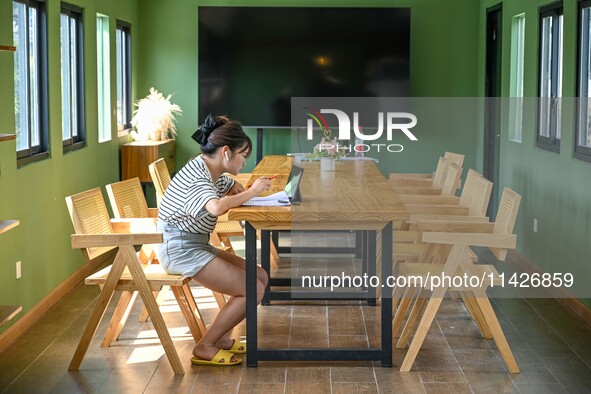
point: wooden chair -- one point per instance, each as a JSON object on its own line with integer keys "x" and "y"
{"x": 476, "y": 194}
{"x": 421, "y": 180}
{"x": 435, "y": 179}
{"x": 450, "y": 242}
{"x": 94, "y": 232}
{"x": 128, "y": 202}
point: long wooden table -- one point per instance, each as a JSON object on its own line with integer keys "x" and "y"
{"x": 356, "y": 196}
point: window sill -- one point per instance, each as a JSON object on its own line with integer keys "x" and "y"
{"x": 123, "y": 133}
{"x": 31, "y": 159}
{"x": 74, "y": 146}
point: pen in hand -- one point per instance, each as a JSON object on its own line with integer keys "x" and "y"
{"x": 270, "y": 178}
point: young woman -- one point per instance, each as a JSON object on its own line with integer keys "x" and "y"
{"x": 197, "y": 195}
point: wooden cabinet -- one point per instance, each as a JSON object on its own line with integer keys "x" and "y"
{"x": 138, "y": 155}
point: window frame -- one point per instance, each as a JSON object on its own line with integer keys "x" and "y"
{"x": 41, "y": 151}
{"x": 552, "y": 142}
{"x": 125, "y": 27}
{"x": 581, "y": 152}
{"x": 78, "y": 141}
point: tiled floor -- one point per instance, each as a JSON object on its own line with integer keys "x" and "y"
{"x": 552, "y": 348}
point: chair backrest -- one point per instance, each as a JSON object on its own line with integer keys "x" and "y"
{"x": 468, "y": 189}
{"x": 476, "y": 193}
{"x": 160, "y": 178}
{"x": 127, "y": 199}
{"x": 480, "y": 197}
{"x": 451, "y": 180}
{"x": 440, "y": 172}
{"x": 89, "y": 215}
{"x": 455, "y": 158}
{"x": 506, "y": 217}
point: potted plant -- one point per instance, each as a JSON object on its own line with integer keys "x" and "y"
{"x": 328, "y": 151}
{"x": 154, "y": 117}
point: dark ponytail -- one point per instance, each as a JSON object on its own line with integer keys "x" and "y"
{"x": 218, "y": 131}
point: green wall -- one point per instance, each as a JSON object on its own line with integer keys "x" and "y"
{"x": 35, "y": 193}
{"x": 555, "y": 187}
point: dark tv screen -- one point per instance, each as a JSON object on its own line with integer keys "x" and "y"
{"x": 252, "y": 60}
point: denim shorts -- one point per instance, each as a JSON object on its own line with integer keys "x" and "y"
{"x": 182, "y": 252}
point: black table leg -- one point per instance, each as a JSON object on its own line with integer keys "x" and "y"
{"x": 251, "y": 296}
{"x": 266, "y": 262}
{"x": 386, "y": 296}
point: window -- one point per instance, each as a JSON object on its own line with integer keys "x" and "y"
{"x": 516, "y": 78}
{"x": 550, "y": 77}
{"x": 583, "y": 137}
{"x": 123, "y": 33}
{"x": 104, "y": 78}
{"x": 29, "y": 26}
{"x": 72, "y": 71}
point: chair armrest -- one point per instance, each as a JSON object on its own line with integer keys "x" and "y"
{"x": 133, "y": 225}
{"x": 153, "y": 212}
{"x": 455, "y": 227}
{"x": 430, "y": 200}
{"x": 504, "y": 241}
{"x": 80, "y": 241}
{"x": 410, "y": 176}
{"x": 425, "y": 191}
{"x": 436, "y": 209}
{"x": 414, "y": 218}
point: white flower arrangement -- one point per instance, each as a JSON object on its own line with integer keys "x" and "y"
{"x": 154, "y": 117}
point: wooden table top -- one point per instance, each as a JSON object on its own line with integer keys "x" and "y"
{"x": 355, "y": 193}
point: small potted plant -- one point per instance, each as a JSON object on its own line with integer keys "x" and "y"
{"x": 328, "y": 151}
{"x": 154, "y": 117}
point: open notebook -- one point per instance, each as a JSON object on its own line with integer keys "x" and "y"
{"x": 290, "y": 195}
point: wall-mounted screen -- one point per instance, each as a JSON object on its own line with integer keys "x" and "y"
{"x": 252, "y": 60}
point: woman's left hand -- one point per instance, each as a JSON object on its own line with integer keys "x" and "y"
{"x": 236, "y": 189}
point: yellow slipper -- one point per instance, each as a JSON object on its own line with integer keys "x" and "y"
{"x": 222, "y": 358}
{"x": 237, "y": 347}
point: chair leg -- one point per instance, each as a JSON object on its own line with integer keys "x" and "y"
{"x": 476, "y": 314}
{"x": 194, "y": 308}
{"x": 187, "y": 311}
{"x": 412, "y": 320}
{"x": 160, "y": 297}
{"x": 219, "y": 298}
{"x": 422, "y": 330}
{"x": 144, "y": 289}
{"x": 401, "y": 310}
{"x": 119, "y": 317}
{"x": 274, "y": 256}
{"x": 98, "y": 310}
{"x": 497, "y": 332}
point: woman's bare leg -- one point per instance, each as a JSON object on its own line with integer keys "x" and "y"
{"x": 225, "y": 342}
{"x": 224, "y": 277}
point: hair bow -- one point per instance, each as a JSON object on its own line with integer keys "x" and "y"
{"x": 209, "y": 125}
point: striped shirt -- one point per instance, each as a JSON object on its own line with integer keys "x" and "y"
{"x": 183, "y": 204}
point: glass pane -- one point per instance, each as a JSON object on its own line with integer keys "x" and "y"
{"x": 516, "y": 78}
{"x": 65, "y": 68}
{"x": 120, "y": 73}
{"x": 34, "y": 78}
{"x": 545, "y": 77}
{"x": 74, "y": 77}
{"x": 104, "y": 97}
{"x": 19, "y": 29}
